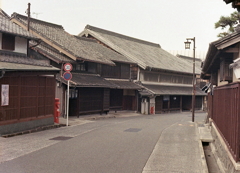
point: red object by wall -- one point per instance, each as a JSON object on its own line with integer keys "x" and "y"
{"x": 56, "y": 110}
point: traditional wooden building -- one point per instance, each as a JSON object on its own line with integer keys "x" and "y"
{"x": 221, "y": 68}
{"x": 101, "y": 77}
{"x": 27, "y": 81}
{"x": 167, "y": 80}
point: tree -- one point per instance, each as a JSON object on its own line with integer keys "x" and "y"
{"x": 228, "y": 21}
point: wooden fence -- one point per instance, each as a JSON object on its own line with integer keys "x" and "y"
{"x": 31, "y": 96}
{"x": 224, "y": 109}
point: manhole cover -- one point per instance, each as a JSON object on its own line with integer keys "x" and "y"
{"x": 61, "y": 138}
{"x": 133, "y": 130}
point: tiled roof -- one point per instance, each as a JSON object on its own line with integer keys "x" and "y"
{"x": 172, "y": 90}
{"x": 124, "y": 84}
{"x": 51, "y": 52}
{"x": 95, "y": 80}
{"x": 25, "y": 67}
{"x": 214, "y": 51}
{"x": 4, "y": 14}
{"x": 19, "y": 58}
{"x": 198, "y": 62}
{"x": 106, "y": 52}
{"x": 86, "y": 80}
{"x": 6, "y": 26}
{"x": 63, "y": 40}
{"x": 145, "y": 54}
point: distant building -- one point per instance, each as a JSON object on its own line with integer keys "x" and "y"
{"x": 101, "y": 78}
{"x": 167, "y": 80}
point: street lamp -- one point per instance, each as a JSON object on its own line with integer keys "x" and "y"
{"x": 187, "y": 46}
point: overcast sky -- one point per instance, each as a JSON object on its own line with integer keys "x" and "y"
{"x": 166, "y": 22}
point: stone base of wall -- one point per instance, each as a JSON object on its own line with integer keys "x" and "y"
{"x": 23, "y": 126}
{"x": 221, "y": 153}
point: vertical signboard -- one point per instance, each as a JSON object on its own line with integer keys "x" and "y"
{"x": 4, "y": 95}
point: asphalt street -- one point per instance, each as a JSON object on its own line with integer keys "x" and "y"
{"x": 114, "y": 145}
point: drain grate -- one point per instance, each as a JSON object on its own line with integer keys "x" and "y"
{"x": 61, "y": 138}
{"x": 132, "y": 130}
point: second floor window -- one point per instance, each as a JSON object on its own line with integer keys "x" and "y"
{"x": 8, "y": 42}
{"x": 80, "y": 67}
{"x": 225, "y": 71}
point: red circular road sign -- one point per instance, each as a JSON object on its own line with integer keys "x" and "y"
{"x": 67, "y": 76}
{"x": 67, "y": 67}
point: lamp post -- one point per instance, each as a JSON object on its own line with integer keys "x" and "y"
{"x": 187, "y": 46}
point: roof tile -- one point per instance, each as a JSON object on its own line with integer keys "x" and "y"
{"x": 145, "y": 54}
{"x": 62, "y": 39}
{"x": 6, "y": 26}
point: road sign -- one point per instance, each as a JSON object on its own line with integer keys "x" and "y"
{"x": 67, "y": 75}
{"x": 67, "y": 67}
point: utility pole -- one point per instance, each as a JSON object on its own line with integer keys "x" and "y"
{"x": 28, "y": 13}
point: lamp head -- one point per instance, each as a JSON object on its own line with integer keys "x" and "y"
{"x": 187, "y": 44}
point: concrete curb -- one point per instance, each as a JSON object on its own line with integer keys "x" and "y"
{"x": 38, "y": 129}
{"x": 202, "y": 155}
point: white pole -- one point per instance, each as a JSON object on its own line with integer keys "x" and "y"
{"x": 67, "y": 102}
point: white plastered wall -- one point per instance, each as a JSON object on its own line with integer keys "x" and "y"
{"x": 20, "y": 45}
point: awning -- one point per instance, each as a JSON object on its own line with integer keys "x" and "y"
{"x": 86, "y": 80}
{"x": 170, "y": 90}
{"x": 95, "y": 80}
{"x": 25, "y": 67}
{"x": 124, "y": 84}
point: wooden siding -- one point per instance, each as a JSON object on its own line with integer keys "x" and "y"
{"x": 106, "y": 96}
{"x": 120, "y": 71}
{"x": 93, "y": 100}
{"x": 30, "y": 97}
{"x": 176, "y": 103}
{"x": 129, "y": 103}
{"x": 186, "y": 103}
{"x": 167, "y": 78}
{"x": 116, "y": 99}
{"x": 225, "y": 113}
{"x": 158, "y": 104}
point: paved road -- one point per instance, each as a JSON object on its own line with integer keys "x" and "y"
{"x": 116, "y": 145}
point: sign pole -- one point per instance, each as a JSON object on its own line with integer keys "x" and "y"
{"x": 67, "y": 76}
{"x": 67, "y": 102}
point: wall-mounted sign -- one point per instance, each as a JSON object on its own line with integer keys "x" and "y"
{"x": 5, "y": 95}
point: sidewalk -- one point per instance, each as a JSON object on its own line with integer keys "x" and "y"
{"x": 179, "y": 149}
